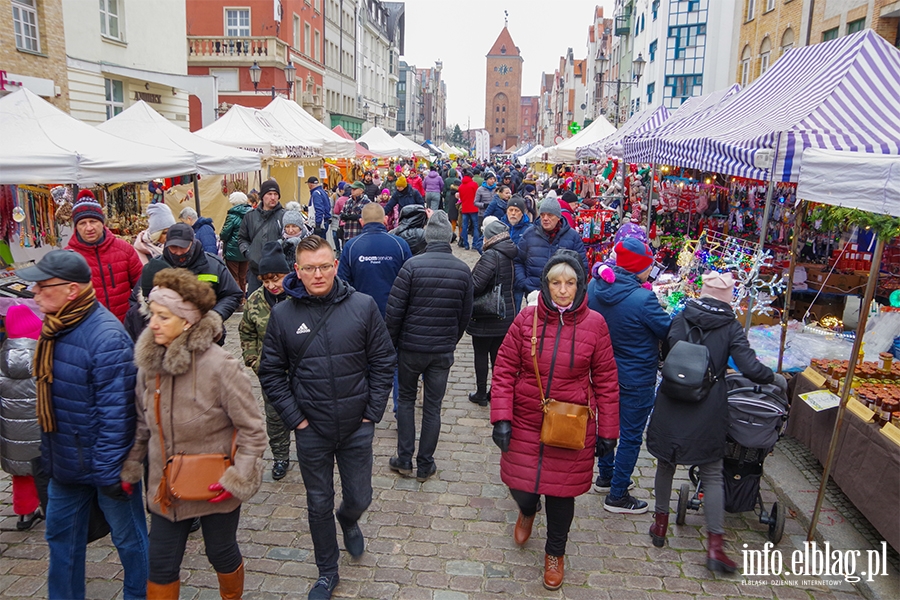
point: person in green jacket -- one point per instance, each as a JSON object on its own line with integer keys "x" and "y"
{"x": 234, "y": 259}
{"x": 272, "y": 270}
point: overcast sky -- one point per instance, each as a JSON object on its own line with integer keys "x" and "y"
{"x": 460, "y": 33}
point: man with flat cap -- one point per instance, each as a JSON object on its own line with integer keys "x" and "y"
{"x": 85, "y": 407}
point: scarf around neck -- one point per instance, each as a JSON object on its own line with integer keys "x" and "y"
{"x": 72, "y": 313}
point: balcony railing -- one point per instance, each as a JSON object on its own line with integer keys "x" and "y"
{"x": 623, "y": 25}
{"x": 218, "y": 50}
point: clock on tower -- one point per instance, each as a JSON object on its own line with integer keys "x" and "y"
{"x": 504, "y": 69}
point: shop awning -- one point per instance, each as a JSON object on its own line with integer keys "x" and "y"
{"x": 307, "y": 131}
{"x": 647, "y": 120}
{"x": 860, "y": 180}
{"x": 256, "y": 131}
{"x": 42, "y": 144}
{"x": 361, "y": 151}
{"x": 140, "y": 122}
{"x": 381, "y": 143}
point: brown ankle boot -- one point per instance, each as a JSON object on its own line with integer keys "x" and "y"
{"x": 554, "y": 570}
{"x": 716, "y": 559}
{"x": 523, "y": 528}
{"x": 157, "y": 591}
{"x": 231, "y": 585}
{"x": 658, "y": 529}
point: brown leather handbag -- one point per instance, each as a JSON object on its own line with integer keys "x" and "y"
{"x": 564, "y": 424}
{"x": 188, "y": 476}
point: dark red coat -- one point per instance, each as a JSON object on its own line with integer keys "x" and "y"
{"x": 115, "y": 270}
{"x": 591, "y": 378}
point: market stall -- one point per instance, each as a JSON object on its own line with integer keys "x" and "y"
{"x": 300, "y": 125}
{"x": 409, "y": 145}
{"x": 380, "y": 143}
{"x": 645, "y": 121}
{"x": 360, "y": 151}
{"x": 566, "y": 150}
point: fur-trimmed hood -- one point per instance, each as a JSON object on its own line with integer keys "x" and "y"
{"x": 176, "y": 359}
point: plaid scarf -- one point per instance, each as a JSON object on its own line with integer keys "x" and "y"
{"x": 72, "y": 313}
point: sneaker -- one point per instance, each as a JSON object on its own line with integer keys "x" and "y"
{"x": 323, "y": 588}
{"x": 422, "y": 475}
{"x": 602, "y": 485}
{"x": 280, "y": 469}
{"x": 398, "y": 466}
{"x": 354, "y": 541}
{"x": 28, "y": 521}
{"x": 627, "y": 504}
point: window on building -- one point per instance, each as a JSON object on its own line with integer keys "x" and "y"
{"x": 830, "y": 34}
{"x": 496, "y": 121}
{"x": 655, "y": 8}
{"x": 682, "y": 86}
{"x": 787, "y": 40}
{"x": 296, "y": 32}
{"x": 751, "y": 9}
{"x": 496, "y": 84}
{"x": 765, "y": 53}
{"x": 693, "y": 5}
{"x": 745, "y": 66}
{"x": 770, "y": 5}
{"x": 653, "y": 46}
{"x": 505, "y": 84}
{"x": 503, "y": 130}
{"x": 318, "y": 43}
{"x": 25, "y": 25}
{"x": 237, "y": 22}
{"x": 503, "y": 120}
{"x": 651, "y": 87}
{"x": 496, "y": 130}
{"x": 226, "y": 79}
{"x": 316, "y": 5}
{"x": 306, "y": 36}
{"x": 857, "y": 25}
{"x": 115, "y": 97}
{"x": 504, "y": 109}
{"x": 109, "y": 19}
{"x": 496, "y": 109}
{"x": 686, "y": 36}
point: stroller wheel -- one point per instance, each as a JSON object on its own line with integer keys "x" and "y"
{"x": 776, "y": 523}
{"x": 694, "y": 474}
{"x": 684, "y": 495}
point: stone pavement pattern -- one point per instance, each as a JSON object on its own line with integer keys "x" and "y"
{"x": 449, "y": 538}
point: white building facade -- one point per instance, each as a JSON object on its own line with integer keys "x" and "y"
{"x": 340, "y": 59}
{"x": 379, "y": 44}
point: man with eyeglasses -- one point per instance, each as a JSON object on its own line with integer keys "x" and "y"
{"x": 327, "y": 367}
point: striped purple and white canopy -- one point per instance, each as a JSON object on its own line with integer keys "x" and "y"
{"x": 639, "y": 148}
{"x": 837, "y": 95}
{"x": 646, "y": 120}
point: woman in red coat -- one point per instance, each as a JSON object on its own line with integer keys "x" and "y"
{"x": 575, "y": 360}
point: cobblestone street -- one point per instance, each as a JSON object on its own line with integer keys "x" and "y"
{"x": 449, "y": 538}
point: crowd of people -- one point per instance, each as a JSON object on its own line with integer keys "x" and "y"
{"x": 120, "y": 385}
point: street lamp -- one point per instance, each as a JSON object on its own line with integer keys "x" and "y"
{"x": 637, "y": 68}
{"x": 290, "y": 72}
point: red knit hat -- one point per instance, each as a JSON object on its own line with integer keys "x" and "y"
{"x": 21, "y": 322}
{"x": 633, "y": 255}
{"x": 87, "y": 207}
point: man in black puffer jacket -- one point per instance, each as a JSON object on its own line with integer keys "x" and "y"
{"x": 412, "y": 227}
{"x": 427, "y": 314}
{"x": 332, "y": 394}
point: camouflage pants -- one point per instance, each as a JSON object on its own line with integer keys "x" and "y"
{"x": 279, "y": 436}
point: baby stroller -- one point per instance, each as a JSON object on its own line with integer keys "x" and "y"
{"x": 757, "y": 417}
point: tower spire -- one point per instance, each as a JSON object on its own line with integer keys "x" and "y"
{"x": 505, "y": 18}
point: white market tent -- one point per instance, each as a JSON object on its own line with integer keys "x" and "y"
{"x": 139, "y": 121}
{"x": 860, "y": 180}
{"x": 380, "y": 143}
{"x": 300, "y": 125}
{"x": 414, "y": 148}
{"x": 646, "y": 120}
{"x": 256, "y": 131}
{"x": 42, "y": 144}
{"x": 532, "y": 155}
{"x": 566, "y": 150}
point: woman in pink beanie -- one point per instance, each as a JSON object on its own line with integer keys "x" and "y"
{"x": 20, "y": 439}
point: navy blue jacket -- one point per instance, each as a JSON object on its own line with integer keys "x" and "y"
{"x": 496, "y": 208}
{"x": 93, "y": 402}
{"x": 535, "y": 249}
{"x": 370, "y": 262}
{"x": 321, "y": 206}
{"x": 203, "y": 231}
{"x": 516, "y": 231}
{"x": 404, "y": 197}
{"x": 637, "y": 323}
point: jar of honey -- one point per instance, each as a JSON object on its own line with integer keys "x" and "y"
{"x": 887, "y": 359}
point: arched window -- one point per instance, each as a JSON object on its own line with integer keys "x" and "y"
{"x": 745, "y": 66}
{"x": 765, "y": 53}
{"x": 787, "y": 40}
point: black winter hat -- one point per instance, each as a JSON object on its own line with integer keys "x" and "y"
{"x": 273, "y": 260}
{"x": 270, "y": 185}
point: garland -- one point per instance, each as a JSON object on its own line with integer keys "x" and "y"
{"x": 885, "y": 226}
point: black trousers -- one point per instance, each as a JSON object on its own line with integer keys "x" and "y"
{"x": 485, "y": 347}
{"x": 560, "y": 512}
{"x": 168, "y": 539}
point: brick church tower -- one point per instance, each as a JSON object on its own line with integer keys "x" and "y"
{"x": 503, "y": 93}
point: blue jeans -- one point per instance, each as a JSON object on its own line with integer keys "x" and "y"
{"x": 68, "y": 513}
{"x": 471, "y": 220}
{"x": 434, "y": 370}
{"x": 635, "y": 405}
{"x": 316, "y": 456}
{"x": 433, "y": 200}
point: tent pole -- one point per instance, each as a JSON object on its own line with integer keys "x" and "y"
{"x": 650, "y": 189}
{"x": 765, "y": 222}
{"x": 845, "y": 390}
{"x": 785, "y": 314}
{"x": 196, "y": 194}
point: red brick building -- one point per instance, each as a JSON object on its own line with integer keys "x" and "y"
{"x": 503, "y": 93}
{"x": 528, "y": 116}
{"x": 225, "y": 40}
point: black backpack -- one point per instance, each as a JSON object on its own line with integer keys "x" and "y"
{"x": 687, "y": 373}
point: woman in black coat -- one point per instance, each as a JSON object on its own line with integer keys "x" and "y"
{"x": 494, "y": 266}
{"x": 693, "y": 433}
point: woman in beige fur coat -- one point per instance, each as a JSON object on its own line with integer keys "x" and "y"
{"x": 205, "y": 401}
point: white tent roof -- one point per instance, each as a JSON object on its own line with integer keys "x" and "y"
{"x": 413, "y": 147}
{"x": 566, "y": 150}
{"x": 259, "y": 132}
{"x": 139, "y": 121}
{"x": 532, "y": 155}
{"x": 299, "y": 124}
{"x": 381, "y": 143}
{"x": 860, "y": 180}
{"x": 42, "y": 144}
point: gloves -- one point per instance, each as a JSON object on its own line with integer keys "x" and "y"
{"x": 225, "y": 494}
{"x": 117, "y": 491}
{"x": 781, "y": 382}
{"x": 604, "y": 446}
{"x": 501, "y": 435}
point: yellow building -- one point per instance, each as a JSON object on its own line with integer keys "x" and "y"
{"x": 769, "y": 28}
{"x": 835, "y": 19}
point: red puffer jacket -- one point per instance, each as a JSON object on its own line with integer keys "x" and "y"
{"x": 585, "y": 373}
{"x": 115, "y": 270}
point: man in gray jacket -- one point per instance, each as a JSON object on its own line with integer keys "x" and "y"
{"x": 261, "y": 225}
